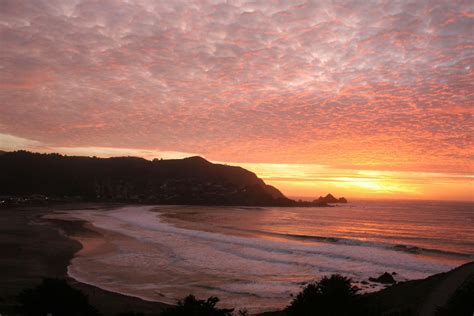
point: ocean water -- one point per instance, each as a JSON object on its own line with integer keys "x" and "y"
{"x": 258, "y": 257}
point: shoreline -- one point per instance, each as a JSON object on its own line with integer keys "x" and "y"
{"x": 27, "y": 261}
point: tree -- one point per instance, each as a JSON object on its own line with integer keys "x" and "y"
{"x": 330, "y": 296}
{"x": 190, "y": 306}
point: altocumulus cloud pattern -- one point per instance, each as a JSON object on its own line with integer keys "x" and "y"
{"x": 386, "y": 84}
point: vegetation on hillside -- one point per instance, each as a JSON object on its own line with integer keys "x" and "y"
{"x": 331, "y": 296}
{"x": 191, "y": 306}
{"x": 191, "y": 180}
{"x": 334, "y": 295}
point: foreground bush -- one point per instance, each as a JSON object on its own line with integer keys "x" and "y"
{"x": 57, "y": 298}
{"x": 330, "y": 296}
{"x": 190, "y": 306}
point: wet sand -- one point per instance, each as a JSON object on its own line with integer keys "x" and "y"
{"x": 33, "y": 248}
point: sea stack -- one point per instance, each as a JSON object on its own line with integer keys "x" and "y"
{"x": 330, "y": 199}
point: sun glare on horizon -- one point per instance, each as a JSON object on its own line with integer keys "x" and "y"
{"x": 236, "y": 157}
{"x": 350, "y": 86}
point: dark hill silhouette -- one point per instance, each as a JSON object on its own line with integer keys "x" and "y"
{"x": 192, "y": 180}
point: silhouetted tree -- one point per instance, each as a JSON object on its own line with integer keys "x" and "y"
{"x": 55, "y": 297}
{"x": 330, "y": 296}
{"x": 190, "y": 306}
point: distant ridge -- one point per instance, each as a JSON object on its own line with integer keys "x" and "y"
{"x": 193, "y": 180}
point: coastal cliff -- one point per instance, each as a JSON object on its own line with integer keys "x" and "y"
{"x": 191, "y": 181}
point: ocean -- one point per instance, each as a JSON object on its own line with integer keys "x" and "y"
{"x": 258, "y": 257}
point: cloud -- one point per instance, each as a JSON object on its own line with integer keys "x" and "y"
{"x": 13, "y": 143}
{"x": 354, "y": 84}
{"x": 10, "y": 143}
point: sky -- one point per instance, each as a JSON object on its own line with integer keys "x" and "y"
{"x": 357, "y": 98}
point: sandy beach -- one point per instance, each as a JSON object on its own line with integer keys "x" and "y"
{"x": 236, "y": 158}
{"x": 33, "y": 248}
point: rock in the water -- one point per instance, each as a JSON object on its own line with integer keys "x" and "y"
{"x": 385, "y": 278}
{"x": 330, "y": 199}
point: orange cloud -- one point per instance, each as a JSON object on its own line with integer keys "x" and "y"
{"x": 355, "y": 85}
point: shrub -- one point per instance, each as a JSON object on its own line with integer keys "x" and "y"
{"x": 330, "y": 296}
{"x": 190, "y": 306}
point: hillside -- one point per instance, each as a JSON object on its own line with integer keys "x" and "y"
{"x": 191, "y": 180}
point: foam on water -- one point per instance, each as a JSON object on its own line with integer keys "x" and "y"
{"x": 156, "y": 260}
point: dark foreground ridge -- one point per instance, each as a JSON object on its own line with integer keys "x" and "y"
{"x": 189, "y": 181}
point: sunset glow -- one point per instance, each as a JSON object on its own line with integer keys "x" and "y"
{"x": 354, "y": 98}
{"x": 237, "y": 157}
{"x": 306, "y": 181}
